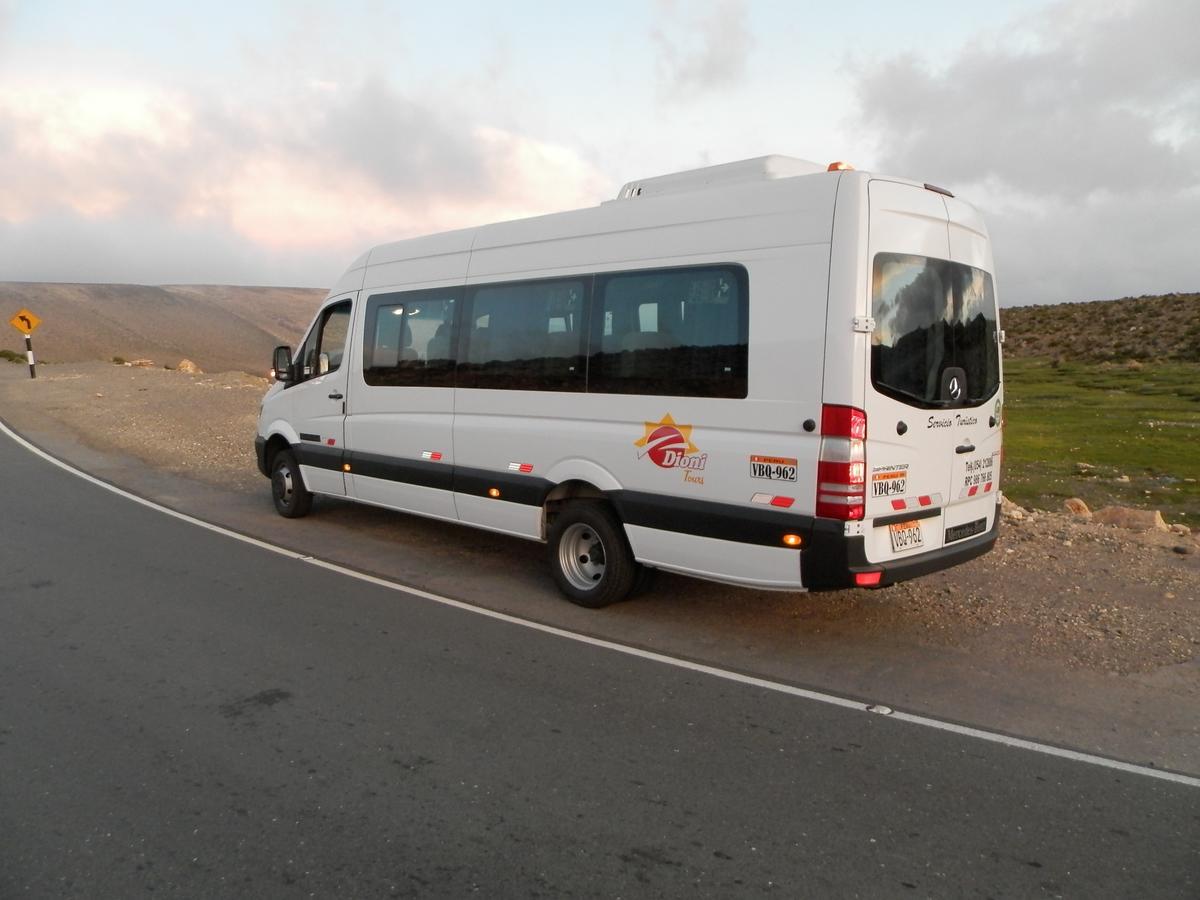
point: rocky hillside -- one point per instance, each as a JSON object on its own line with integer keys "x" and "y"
{"x": 1134, "y": 328}
{"x": 221, "y": 328}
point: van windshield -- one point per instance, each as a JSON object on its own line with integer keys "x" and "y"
{"x": 935, "y": 323}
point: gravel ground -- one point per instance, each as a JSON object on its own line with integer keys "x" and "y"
{"x": 1056, "y": 588}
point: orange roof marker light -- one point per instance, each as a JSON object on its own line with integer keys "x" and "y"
{"x": 840, "y": 166}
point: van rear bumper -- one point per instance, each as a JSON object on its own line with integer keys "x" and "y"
{"x": 831, "y": 559}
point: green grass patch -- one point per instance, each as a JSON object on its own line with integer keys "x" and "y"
{"x": 12, "y": 356}
{"x": 1109, "y": 433}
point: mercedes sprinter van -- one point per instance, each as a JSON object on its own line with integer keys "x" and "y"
{"x": 769, "y": 373}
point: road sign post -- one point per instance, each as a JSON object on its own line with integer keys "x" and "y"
{"x": 25, "y": 322}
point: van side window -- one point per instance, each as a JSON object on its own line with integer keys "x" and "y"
{"x": 526, "y": 336}
{"x": 675, "y": 332}
{"x": 409, "y": 339}
{"x": 328, "y": 338}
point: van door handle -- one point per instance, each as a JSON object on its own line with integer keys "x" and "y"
{"x": 968, "y": 447}
{"x": 336, "y": 395}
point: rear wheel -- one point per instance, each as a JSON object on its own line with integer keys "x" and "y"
{"x": 590, "y": 557}
{"x": 292, "y": 498}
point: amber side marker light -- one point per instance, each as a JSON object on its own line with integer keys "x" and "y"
{"x": 840, "y": 166}
{"x": 493, "y": 492}
{"x": 345, "y": 467}
{"x": 867, "y": 579}
{"x": 793, "y": 540}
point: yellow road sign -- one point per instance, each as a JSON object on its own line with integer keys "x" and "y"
{"x": 25, "y": 322}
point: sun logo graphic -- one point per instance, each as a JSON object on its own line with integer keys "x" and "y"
{"x": 669, "y": 446}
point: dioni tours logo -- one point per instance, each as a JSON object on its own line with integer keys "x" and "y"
{"x": 669, "y": 446}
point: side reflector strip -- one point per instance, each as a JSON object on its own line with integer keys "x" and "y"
{"x": 434, "y": 455}
{"x": 975, "y": 489}
{"x": 921, "y": 502}
{"x": 772, "y": 500}
{"x": 525, "y": 468}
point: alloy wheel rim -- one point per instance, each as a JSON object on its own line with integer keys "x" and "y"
{"x": 581, "y": 556}
{"x": 283, "y": 484}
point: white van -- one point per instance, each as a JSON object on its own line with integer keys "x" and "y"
{"x": 766, "y": 373}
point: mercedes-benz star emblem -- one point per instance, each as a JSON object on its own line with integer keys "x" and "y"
{"x": 955, "y": 388}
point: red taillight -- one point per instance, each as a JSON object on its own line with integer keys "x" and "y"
{"x": 842, "y": 467}
{"x": 868, "y": 579}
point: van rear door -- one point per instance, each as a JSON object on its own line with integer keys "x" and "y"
{"x": 932, "y": 456}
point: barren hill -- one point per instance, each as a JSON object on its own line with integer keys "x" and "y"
{"x": 1135, "y": 328}
{"x": 221, "y": 328}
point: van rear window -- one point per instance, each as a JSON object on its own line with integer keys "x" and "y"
{"x": 934, "y": 319}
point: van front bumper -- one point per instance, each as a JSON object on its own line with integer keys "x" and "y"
{"x": 831, "y": 561}
{"x": 260, "y": 452}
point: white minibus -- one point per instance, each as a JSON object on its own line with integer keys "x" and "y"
{"x": 768, "y": 373}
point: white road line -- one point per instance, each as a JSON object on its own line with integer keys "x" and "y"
{"x": 725, "y": 674}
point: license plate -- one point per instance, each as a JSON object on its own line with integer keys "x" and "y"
{"x": 906, "y": 536}
{"x": 773, "y": 468}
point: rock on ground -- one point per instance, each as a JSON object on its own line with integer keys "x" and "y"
{"x": 1132, "y": 519}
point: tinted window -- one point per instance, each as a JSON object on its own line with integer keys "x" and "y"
{"x": 676, "y": 332}
{"x": 321, "y": 352}
{"x": 408, "y": 339}
{"x": 527, "y": 336}
{"x": 931, "y": 316}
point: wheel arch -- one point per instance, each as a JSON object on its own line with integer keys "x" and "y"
{"x": 280, "y": 436}
{"x": 565, "y": 492}
{"x": 576, "y": 479}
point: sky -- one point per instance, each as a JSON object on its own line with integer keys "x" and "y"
{"x": 261, "y": 142}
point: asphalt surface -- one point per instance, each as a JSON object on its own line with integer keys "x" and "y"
{"x": 188, "y": 715}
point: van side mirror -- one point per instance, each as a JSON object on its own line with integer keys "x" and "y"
{"x": 281, "y": 362}
{"x": 323, "y": 364}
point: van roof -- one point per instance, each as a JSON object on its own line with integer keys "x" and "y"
{"x": 762, "y": 168}
{"x": 688, "y": 187}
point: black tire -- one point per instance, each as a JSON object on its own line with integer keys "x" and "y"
{"x": 590, "y": 557}
{"x": 645, "y": 580}
{"x": 292, "y": 498}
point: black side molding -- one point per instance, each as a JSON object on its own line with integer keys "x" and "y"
{"x": 725, "y": 521}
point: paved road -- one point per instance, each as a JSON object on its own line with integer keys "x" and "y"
{"x": 187, "y": 714}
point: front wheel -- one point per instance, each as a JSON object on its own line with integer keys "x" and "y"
{"x": 292, "y": 498}
{"x": 589, "y": 556}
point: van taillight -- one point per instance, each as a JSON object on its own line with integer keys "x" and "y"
{"x": 842, "y": 467}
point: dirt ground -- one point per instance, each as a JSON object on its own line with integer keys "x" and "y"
{"x": 1056, "y": 589}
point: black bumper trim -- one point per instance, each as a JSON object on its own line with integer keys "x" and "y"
{"x": 260, "y": 453}
{"x": 832, "y": 560}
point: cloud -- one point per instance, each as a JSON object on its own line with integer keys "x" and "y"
{"x": 146, "y": 182}
{"x": 1084, "y": 123}
{"x": 127, "y": 247}
{"x": 403, "y": 145}
{"x": 702, "y": 54}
